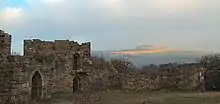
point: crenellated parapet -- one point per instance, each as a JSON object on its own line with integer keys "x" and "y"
{"x": 37, "y": 46}
{"x": 5, "y": 45}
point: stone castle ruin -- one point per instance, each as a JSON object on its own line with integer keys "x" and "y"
{"x": 45, "y": 68}
{"x": 49, "y": 67}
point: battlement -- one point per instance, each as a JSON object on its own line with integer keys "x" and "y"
{"x": 37, "y": 46}
{"x": 5, "y": 44}
{"x": 38, "y": 41}
{"x": 2, "y": 32}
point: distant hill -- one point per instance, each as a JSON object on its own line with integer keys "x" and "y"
{"x": 145, "y": 56}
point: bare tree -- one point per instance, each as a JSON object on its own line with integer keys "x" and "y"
{"x": 123, "y": 66}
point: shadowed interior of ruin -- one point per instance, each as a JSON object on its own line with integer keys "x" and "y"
{"x": 36, "y": 89}
{"x": 76, "y": 84}
{"x": 212, "y": 83}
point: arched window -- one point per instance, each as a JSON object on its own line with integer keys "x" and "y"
{"x": 76, "y": 58}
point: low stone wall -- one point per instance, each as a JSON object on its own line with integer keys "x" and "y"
{"x": 146, "y": 82}
{"x": 176, "y": 81}
{"x": 140, "y": 82}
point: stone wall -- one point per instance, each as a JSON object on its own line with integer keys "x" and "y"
{"x": 52, "y": 64}
{"x": 184, "y": 77}
{"x": 6, "y": 73}
{"x": 6, "y": 77}
{"x": 187, "y": 77}
{"x": 5, "y": 40}
{"x": 66, "y": 47}
{"x": 141, "y": 82}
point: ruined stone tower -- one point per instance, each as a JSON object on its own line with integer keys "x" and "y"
{"x": 45, "y": 68}
{"x": 5, "y": 44}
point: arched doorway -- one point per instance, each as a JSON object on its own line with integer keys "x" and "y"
{"x": 36, "y": 86}
{"x": 76, "y": 84}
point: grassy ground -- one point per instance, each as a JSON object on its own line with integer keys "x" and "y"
{"x": 151, "y": 98}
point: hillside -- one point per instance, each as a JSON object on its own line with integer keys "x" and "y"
{"x": 145, "y": 56}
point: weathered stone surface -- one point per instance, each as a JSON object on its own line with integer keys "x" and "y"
{"x": 54, "y": 63}
{"x": 170, "y": 77}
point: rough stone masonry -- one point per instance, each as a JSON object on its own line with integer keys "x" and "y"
{"x": 46, "y": 67}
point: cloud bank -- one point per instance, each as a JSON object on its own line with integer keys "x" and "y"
{"x": 144, "y": 49}
{"x": 116, "y": 24}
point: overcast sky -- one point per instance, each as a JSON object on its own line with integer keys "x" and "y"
{"x": 115, "y": 24}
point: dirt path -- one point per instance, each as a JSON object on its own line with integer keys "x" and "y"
{"x": 154, "y": 98}
{"x": 57, "y": 102}
{"x": 64, "y": 102}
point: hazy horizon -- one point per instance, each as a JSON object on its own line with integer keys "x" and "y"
{"x": 115, "y": 24}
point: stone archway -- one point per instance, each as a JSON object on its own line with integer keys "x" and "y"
{"x": 36, "y": 86}
{"x": 76, "y": 84}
